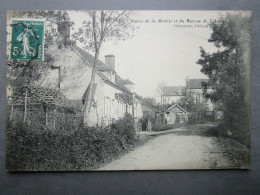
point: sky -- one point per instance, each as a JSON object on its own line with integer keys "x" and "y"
{"x": 159, "y": 51}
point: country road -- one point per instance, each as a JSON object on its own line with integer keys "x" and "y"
{"x": 182, "y": 148}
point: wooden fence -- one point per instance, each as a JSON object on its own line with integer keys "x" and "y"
{"x": 50, "y": 115}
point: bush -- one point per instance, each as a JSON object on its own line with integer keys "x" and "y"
{"x": 170, "y": 126}
{"x": 124, "y": 128}
{"x": 242, "y": 135}
{"x": 31, "y": 148}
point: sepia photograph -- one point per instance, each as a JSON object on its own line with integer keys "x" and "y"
{"x": 106, "y": 90}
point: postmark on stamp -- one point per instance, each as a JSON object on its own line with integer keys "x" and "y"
{"x": 27, "y": 39}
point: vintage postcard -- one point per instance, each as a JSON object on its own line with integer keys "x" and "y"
{"x": 128, "y": 90}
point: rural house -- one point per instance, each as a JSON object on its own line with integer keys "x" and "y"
{"x": 194, "y": 88}
{"x": 112, "y": 96}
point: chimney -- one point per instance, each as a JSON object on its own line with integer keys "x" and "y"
{"x": 64, "y": 30}
{"x": 110, "y": 61}
{"x": 180, "y": 90}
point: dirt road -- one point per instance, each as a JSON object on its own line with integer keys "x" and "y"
{"x": 178, "y": 149}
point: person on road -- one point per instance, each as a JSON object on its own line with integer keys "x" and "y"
{"x": 149, "y": 125}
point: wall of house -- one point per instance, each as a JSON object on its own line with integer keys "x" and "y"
{"x": 113, "y": 108}
{"x": 147, "y": 111}
{"x": 171, "y": 99}
{"x": 138, "y": 109}
{"x": 75, "y": 73}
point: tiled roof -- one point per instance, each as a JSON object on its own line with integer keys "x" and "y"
{"x": 176, "y": 105}
{"x": 127, "y": 81}
{"x": 173, "y": 90}
{"x": 101, "y": 66}
{"x": 90, "y": 59}
{"x": 195, "y": 83}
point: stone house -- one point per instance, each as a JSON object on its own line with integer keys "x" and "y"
{"x": 112, "y": 95}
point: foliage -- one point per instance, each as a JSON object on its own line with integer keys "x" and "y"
{"x": 228, "y": 70}
{"x": 124, "y": 128}
{"x": 35, "y": 148}
{"x": 189, "y": 103}
{"x": 102, "y": 26}
{"x": 150, "y": 101}
{"x": 170, "y": 126}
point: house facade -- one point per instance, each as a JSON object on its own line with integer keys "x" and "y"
{"x": 172, "y": 94}
{"x": 112, "y": 96}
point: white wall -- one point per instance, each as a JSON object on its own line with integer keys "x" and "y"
{"x": 171, "y": 99}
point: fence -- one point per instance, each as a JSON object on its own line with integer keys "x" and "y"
{"x": 51, "y": 116}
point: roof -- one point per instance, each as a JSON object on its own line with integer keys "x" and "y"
{"x": 173, "y": 90}
{"x": 176, "y": 105}
{"x": 90, "y": 59}
{"x": 151, "y": 107}
{"x": 101, "y": 66}
{"x": 127, "y": 81}
{"x": 195, "y": 83}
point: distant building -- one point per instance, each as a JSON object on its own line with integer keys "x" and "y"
{"x": 176, "y": 114}
{"x": 171, "y": 94}
{"x": 194, "y": 88}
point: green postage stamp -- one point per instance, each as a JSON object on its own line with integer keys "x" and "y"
{"x": 27, "y": 39}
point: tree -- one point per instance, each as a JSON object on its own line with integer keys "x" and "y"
{"x": 150, "y": 101}
{"x": 228, "y": 69}
{"x": 102, "y": 26}
{"x": 190, "y": 104}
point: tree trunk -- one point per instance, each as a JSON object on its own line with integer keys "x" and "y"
{"x": 87, "y": 105}
{"x": 97, "y": 44}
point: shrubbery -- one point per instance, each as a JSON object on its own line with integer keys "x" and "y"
{"x": 222, "y": 130}
{"x": 170, "y": 126}
{"x": 31, "y": 148}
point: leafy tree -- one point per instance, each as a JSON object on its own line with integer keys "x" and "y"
{"x": 150, "y": 101}
{"x": 101, "y": 26}
{"x": 228, "y": 69}
{"x": 189, "y": 103}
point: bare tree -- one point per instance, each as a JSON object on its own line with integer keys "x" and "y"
{"x": 100, "y": 27}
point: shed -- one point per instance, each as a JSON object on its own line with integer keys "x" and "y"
{"x": 176, "y": 114}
